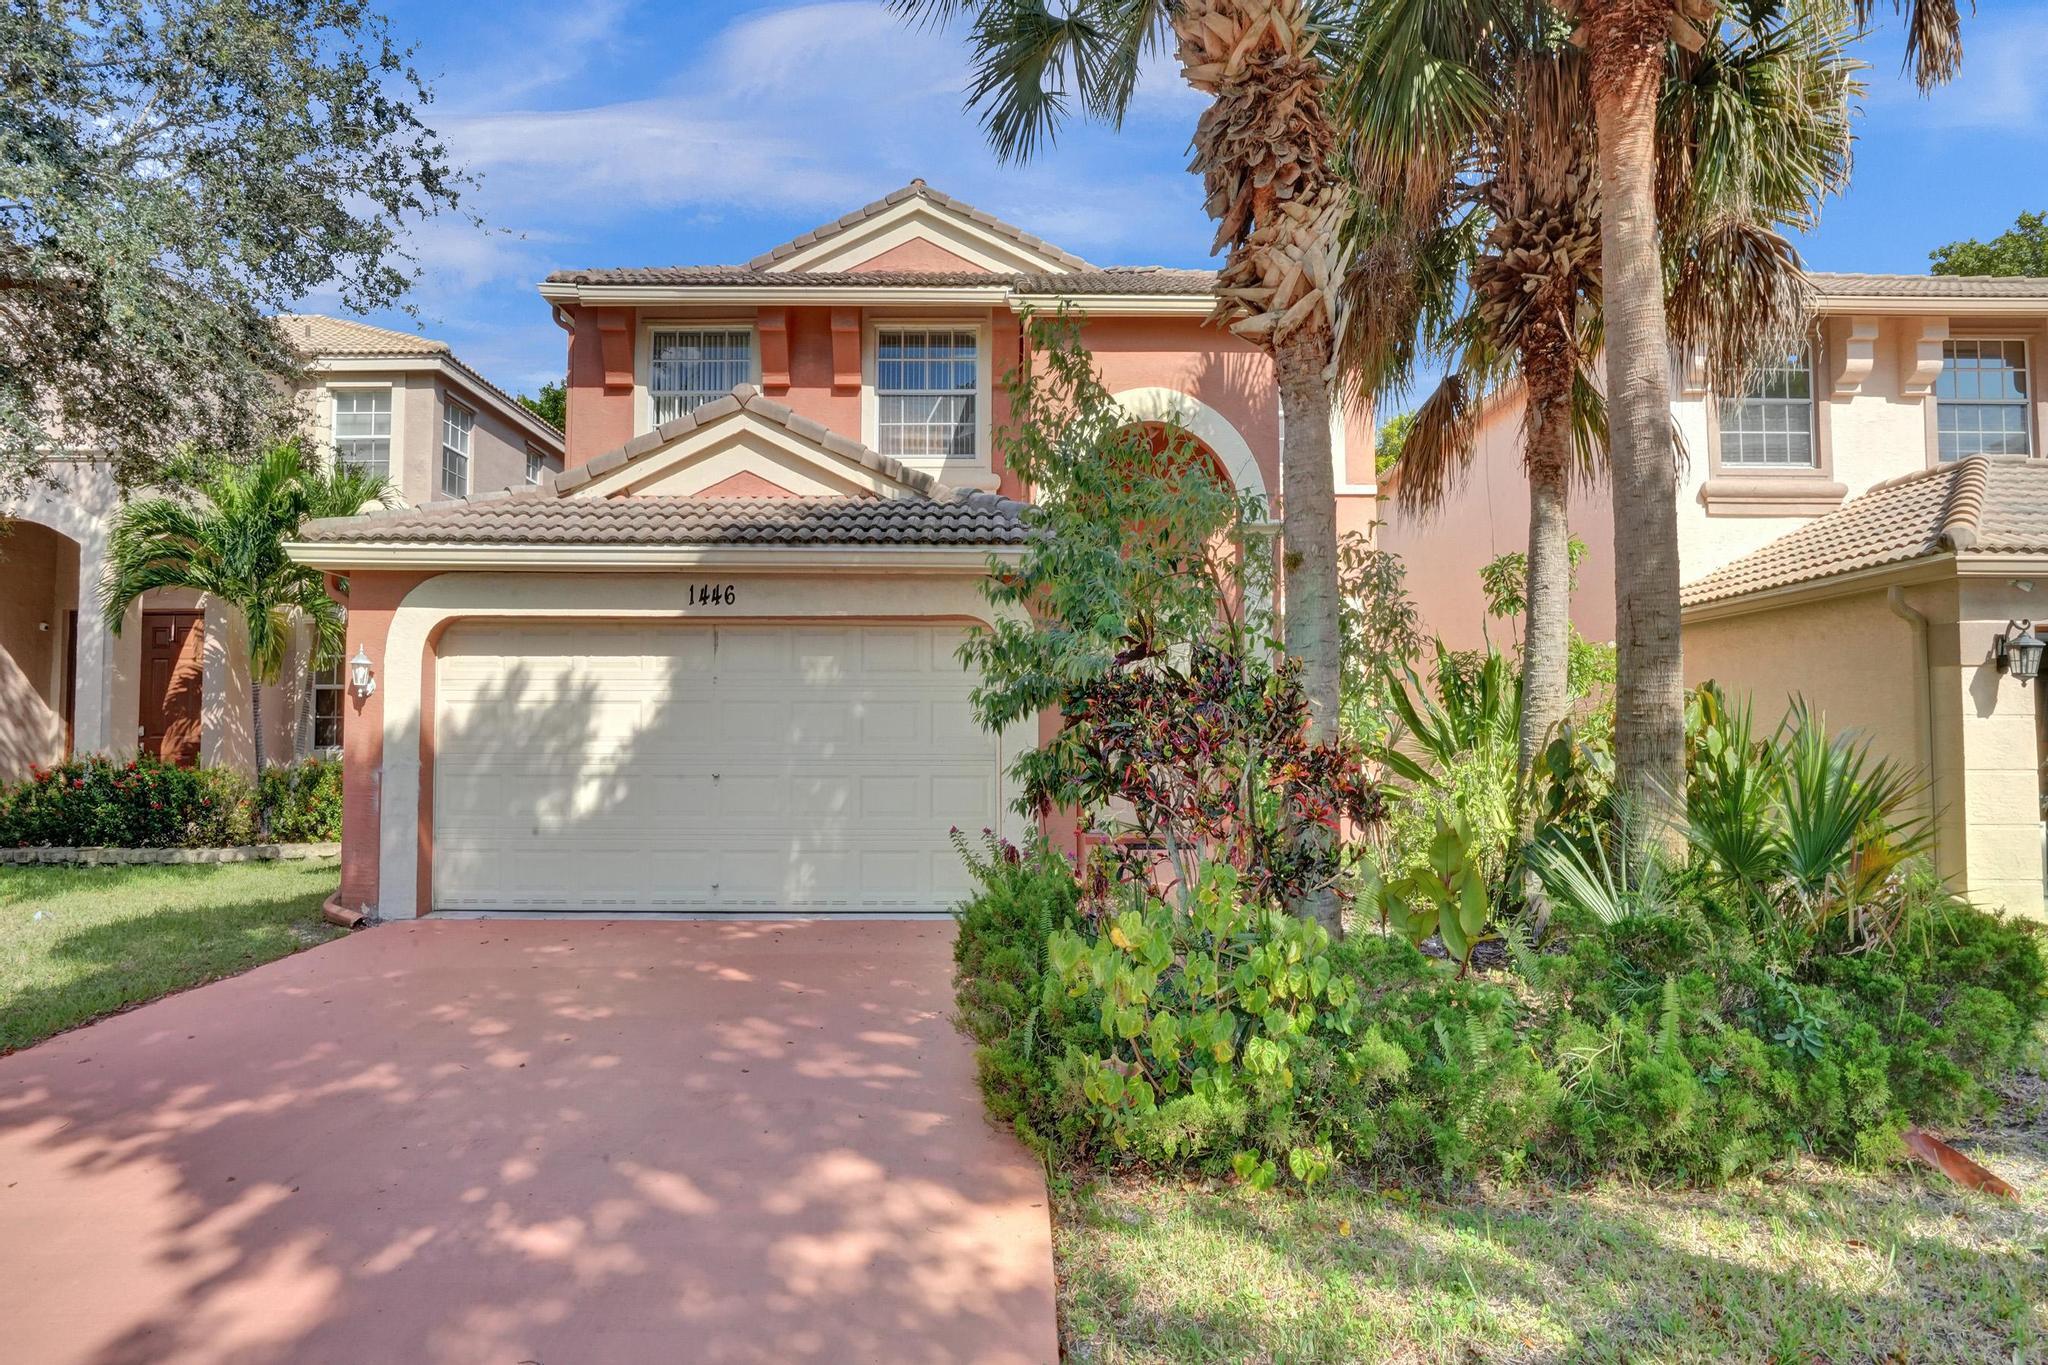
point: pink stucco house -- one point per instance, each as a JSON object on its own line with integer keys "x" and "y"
{"x": 711, "y": 666}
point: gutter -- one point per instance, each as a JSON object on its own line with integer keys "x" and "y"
{"x": 1923, "y": 705}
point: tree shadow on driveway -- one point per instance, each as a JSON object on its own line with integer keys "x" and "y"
{"x": 505, "y": 1141}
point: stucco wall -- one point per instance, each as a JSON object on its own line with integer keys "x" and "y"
{"x": 1980, "y": 754}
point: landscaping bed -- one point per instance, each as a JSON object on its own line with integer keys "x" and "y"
{"x": 80, "y": 942}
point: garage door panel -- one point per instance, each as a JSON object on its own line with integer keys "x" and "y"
{"x": 705, "y": 768}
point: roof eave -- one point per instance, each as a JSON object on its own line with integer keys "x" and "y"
{"x": 549, "y": 558}
{"x": 1919, "y": 569}
{"x": 1901, "y": 305}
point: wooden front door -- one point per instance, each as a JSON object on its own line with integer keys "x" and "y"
{"x": 172, "y": 676}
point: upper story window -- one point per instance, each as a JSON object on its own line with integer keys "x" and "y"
{"x": 1771, "y": 426}
{"x": 689, "y": 366}
{"x": 457, "y": 423}
{"x": 539, "y": 463}
{"x": 1981, "y": 398}
{"x": 925, "y": 383}
{"x": 362, "y": 430}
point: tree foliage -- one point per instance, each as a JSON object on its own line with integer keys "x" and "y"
{"x": 551, "y": 405}
{"x": 2021, "y": 249}
{"x": 171, "y": 173}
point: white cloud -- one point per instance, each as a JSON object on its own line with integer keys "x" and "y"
{"x": 1999, "y": 86}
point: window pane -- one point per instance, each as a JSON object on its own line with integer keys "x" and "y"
{"x": 1773, "y": 424}
{"x": 925, "y": 382}
{"x": 456, "y": 423}
{"x": 1981, "y": 398}
{"x": 362, "y": 430}
{"x": 688, "y": 367}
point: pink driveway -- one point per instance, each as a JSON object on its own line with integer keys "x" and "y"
{"x": 527, "y": 1141}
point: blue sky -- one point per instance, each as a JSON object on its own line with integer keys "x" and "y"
{"x": 616, "y": 132}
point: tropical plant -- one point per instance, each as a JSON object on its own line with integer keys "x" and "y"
{"x": 1473, "y": 119}
{"x": 226, "y": 540}
{"x": 1137, "y": 612}
{"x": 1263, "y": 148}
{"x": 1812, "y": 830}
{"x": 1444, "y": 893}
{"x": 1382, "y": 634}
{"x": 172, "y": 174}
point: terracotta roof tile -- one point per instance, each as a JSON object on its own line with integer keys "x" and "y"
{"x": 932, "y": 513}
{"x": 542, "y": 518}
{"x": 1838, "y": 285}
{"x": 1132, "y": 279}
{"x": 916, "y": 189}
{"x": 1980, "y": 505}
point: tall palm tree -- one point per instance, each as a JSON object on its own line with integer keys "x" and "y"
{"x": 1751, "y": 136}
{"x": 1263, "y": 148}
{"x": 228, "y": 543}
{"x": 1635, "y": 47}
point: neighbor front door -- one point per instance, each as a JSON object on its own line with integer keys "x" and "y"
{"x": 172, "y": 676}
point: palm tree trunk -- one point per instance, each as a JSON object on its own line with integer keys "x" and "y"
{"x": 1627, "y": 40}
{"x": 1546, "y": 641}
{"x": 1308, "y": 514}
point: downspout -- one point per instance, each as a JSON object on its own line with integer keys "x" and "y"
{"x": 1923, "y": 706}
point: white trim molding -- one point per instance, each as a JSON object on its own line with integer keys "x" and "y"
{"x": 1198, "y": 419}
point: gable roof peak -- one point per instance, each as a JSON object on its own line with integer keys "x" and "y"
{"x": 919, "y": 189}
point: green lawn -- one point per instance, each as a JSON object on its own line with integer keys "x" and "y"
{"x": 110, "y": 937}
{"x": 1810, "y": 1264}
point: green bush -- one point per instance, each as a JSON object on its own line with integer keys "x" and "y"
{"x": 302, "y": 801}
{"x": 1670, "y": 1043}
{"x": 100, "y": 802}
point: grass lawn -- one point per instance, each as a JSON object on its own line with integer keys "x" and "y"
{"x": 110, "y": 937}
{"x": 1810, "y": 1264}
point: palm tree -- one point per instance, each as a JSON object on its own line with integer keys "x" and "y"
{"x": 1263, "y": 148}
{"x": 228, "y": 543}
{"x": 1752, "y": 136}
{"x": 1635, "y": 48}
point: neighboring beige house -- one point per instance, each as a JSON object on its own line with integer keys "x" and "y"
{"x": 1855, "y": 531}
{"x": 174, "y": 681}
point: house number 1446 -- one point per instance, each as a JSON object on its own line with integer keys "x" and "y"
{"x": 713, "y": 594}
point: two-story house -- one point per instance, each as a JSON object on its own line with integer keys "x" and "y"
{"x": 173, "y": 682}
{"x": 713, "y": 665}
{"x": 1859, "y": 530}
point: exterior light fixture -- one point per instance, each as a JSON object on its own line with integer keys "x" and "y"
{"x": 2018, "y": 651}
{"x": 363, "y": 678}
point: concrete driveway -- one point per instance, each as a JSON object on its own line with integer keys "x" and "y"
{"x": 527, "y": 1141}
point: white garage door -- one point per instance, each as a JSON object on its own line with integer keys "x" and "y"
{"x": 699, "y": 767}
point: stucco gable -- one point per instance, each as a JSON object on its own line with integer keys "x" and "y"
{"x": 922, "y": 219}
{"x": 747, "y": 437}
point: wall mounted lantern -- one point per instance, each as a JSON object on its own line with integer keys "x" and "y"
{"x": 2018, "y": 651}
{"x": 363, "y": 678}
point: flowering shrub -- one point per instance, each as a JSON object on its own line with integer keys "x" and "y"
{"x": 302, "y": 801}
{"x": 100, "y": 802}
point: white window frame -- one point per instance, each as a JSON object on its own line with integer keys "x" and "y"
{"x": 335, "y": 392}
{"x": 316, "y": 684}
{"x": 959, "y": 469}
{"x": 2025, "y": 403}
{"x": 1725, "y": 407}
{"x": 538, "y": 463}
{"x": 466, "y": 453}
{"x": 643, "y": 357}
